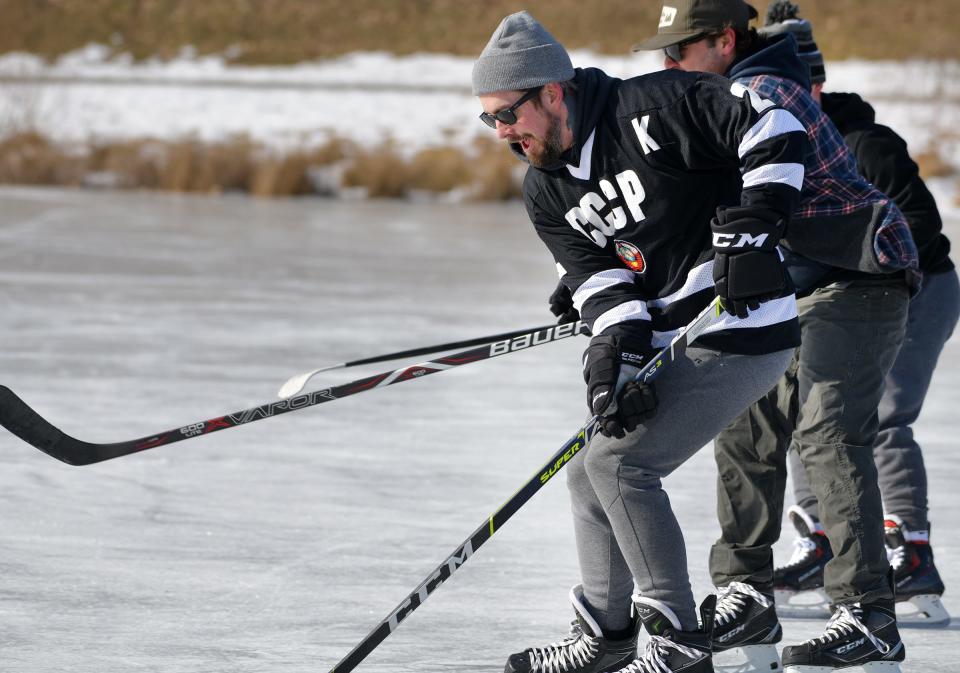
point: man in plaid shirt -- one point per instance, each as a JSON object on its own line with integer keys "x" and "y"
{"x": 853, "y": 261}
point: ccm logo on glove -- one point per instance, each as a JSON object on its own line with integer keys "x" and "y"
{"x": 738, "y": 240}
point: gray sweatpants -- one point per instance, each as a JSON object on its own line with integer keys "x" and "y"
{"x": 626, "y": 533}
{"x": 826, "y": 407}
{"x": 931, "y": 318}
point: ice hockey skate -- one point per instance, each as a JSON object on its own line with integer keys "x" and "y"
{"x": 670, "y": 648}
{"x": 918, "y": 584}
{"x": 856, "y": 639}
{"x": 585, "y": 650}
{"x": 745, "y": 629}
{"x": 798, "y": 586}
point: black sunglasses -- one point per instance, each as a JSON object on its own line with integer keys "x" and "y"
{"x": 675, "y": 51}
{"x": 508, "y": 115}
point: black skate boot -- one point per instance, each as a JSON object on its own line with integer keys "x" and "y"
{"x": 745, "y": 629}
{"x": 585, "y": 650}
{"x": 798, "y": 586}
{"x": 918, "y": 584}
{"x": 670, "y": 649}
{"x": 864, "y": 636}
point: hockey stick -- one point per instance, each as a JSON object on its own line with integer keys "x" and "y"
{"x": 17, "y": 416}
{"x": 296, "y": 383}
{"x": 442, "y": 573}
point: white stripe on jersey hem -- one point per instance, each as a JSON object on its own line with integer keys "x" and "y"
{"x": 786, "y": 174}
{"x": 599, "y": 282}
{"x": 776, "y": 122}
{"x": 628, "y": 310}
{"x": 770, "y": 313}
{"x": 582, "y": 172}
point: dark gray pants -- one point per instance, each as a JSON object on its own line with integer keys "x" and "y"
{"x": 826, "y": 407}
{"x": 931, "y": 318}
{"x": 626, "y": 532}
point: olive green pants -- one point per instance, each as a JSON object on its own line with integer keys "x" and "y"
{"x": 825, "y": 407}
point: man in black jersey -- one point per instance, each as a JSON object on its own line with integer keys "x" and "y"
{"x": 653, "y": 195}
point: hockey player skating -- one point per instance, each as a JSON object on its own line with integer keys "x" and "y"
{"x": 848, "y": 249}
{"x": 882, "y": 158}
{"x": 653, "y": 195}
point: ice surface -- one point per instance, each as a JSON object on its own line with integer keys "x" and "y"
{"x": 278, "y": 545}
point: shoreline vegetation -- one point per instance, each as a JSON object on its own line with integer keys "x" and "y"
{"x": 278, "y": 32}
{"x": 283, "y": 32}
{"x": 483, "y": 171}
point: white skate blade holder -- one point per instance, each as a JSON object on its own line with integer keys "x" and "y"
{"x": 923, "y": 611}
{"x": 747, "y": 659}
{"x": 872, "y": 667}
{"x": 919, "y": 612}
{"x": 813, "y": 604}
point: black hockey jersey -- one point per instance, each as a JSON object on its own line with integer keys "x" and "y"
{"x": 627, "y": 215}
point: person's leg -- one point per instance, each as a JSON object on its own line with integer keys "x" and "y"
{"x": 931, "y": 319}
{"x": 698, "y": 396}
{"x": 751, "y": 477}
{"x": 851, "y": 335}
{"x": 802, "y": 493}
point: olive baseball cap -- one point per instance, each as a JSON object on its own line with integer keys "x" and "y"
{"x": 684, "y": 19}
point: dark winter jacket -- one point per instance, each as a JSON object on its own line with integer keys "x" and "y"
{"x": 883, "y": 159}
{"x": 842, "y": 222}
{"x": 626, "y": 214}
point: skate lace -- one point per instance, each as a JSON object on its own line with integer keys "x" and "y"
{"x": 732, "y": 599}
{"x": 802, "y": 548}
{"x": 844, "y": 622}
{"x": 577, "y": 649}
{"x": 653, "y": 659}
{"x": 897, "y": 556}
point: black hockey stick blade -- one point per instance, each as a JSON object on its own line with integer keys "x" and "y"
{"x": 20, "y": 419}
{"x": 485, "y": 531}
{"x": 296, "y": 383}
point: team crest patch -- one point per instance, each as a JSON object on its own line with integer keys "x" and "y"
{"x": 630, "y": 255}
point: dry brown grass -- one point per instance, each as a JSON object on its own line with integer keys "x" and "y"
{"x": 29, "y": 158}
{"x": 287, "y": 31}
{"x": 187, "y": 165}
{"x": 933, "y": 165}
{"x": 381, "y": 172}
{"x": 498, "y": 175}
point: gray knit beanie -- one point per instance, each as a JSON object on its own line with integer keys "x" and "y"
{"x": 782, "y": 18}
{"x": 521, "y": 54}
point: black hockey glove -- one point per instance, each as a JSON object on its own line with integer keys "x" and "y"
{"x": 747, "y": 270}
{"x": 561, "y": 305}
{"x": 609, "y": 366}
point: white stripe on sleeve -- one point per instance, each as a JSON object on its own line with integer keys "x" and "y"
{"x": 599, "y": 282}
{"x": 629, "y": 310}
{"x": 787, "y": 174}
{"x": 776, "y": 122}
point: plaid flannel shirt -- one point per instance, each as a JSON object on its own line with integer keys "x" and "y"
{"x": 831, "y": 183}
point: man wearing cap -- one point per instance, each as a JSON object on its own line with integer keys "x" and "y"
{"x": 883, "y": 159}
{"x": 853, "y": 262}
{"x": 653, "y": 195}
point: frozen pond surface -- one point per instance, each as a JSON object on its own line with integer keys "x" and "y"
{"x": 277, "y": 546}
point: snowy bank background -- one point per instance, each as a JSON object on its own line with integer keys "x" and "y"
{"x": 417, "y": 101}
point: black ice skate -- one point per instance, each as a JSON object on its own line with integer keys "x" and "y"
{"x": 866, "y": 637}
{"x": 798, "y": 586}
{"x": 670, "y": 649}
{"x": 745, "y": 629}
{"x": 918, "y": 584}
{"x": 585, "y": 650}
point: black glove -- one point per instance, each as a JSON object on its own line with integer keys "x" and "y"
{"x": 561, "y": 305}
{"x": 747, "y": 270}
{"x": 609, "y": 366}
